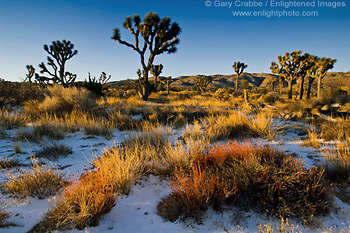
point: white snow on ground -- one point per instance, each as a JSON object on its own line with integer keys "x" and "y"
{"x": 137, "y": 212}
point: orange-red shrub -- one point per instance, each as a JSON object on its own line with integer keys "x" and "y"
{"x": 249, "y": 175}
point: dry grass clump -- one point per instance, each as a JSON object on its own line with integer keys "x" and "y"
{"x": 39, "y": 132}
{"x": 94, "y": 193}
{"x": 262, "y": 124}
{"x": 249, "y": 176}
{"x": 236, "y": 124}
{"x": 6, "y": 163}
{"x": 62, "y": 100}
{"x": 10, "y": 120}
{"x": 3, "y": 218}
{"x": 338, "y": 130}
{"x": 98, "y": 129}
{"x": 54, "y": 151}
{"x": 38, "y": 182}
{"x": 338, "y": 164}
{"x": 181, "y": 155}
{"x": 312, "y": 140}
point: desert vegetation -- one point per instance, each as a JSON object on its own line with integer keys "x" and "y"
{"x": 255, "y": 149}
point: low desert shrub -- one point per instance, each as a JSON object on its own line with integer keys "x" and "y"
{"x": 62, "y": 100}
{"x": 98, "y": 129}
{"x": 6, "y": 163}
{"x": 18, "y": 93}
{"x": 225, "y": 126}
{"x": 10, "y": 120}
{"x": 338, "y": 130}
{"x": 242, "y": 173}
{"x": 94, "y": 193}
{"x": 3, "y": 218}
{"x": 262, "y": 124}
{"x": 38, "y": 182}
{"x": 53, "y": 152}
{"x": 271, "y": 98}
{"x": 338, "y": 164}
{"x": 312, "y": 140}
{"x": 81, "y": 204}
{"x": 238, "y": 125}
{"x": 39, "y": 132}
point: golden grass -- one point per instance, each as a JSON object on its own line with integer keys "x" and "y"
{"x": 49, "y": 130}
{"x": 312, "y": 140}
{"x": 238, "y": 125}
{"x": 338, "y": 164}
{"x": 262, "y": 123}
{"x": 95, "y": 193}
{"x": 38, "y": 182}
{"x": 6, "y": 163}
{"x": 62, "y": 100}
{"x": 10, "y": 120}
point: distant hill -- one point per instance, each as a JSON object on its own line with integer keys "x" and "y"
{"x": 332, "y": 79}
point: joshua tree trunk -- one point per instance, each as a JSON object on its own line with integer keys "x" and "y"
{"x": 319, "y": 88}
{"x": 237, "y": 77}
{"x": 308, "y": 92}
{"x": 145, "y": 92}
{"x": 301, "y": 91}
{"x": 290, "y": 89}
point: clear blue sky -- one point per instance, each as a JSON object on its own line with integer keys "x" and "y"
{"x": 211, "y": 39}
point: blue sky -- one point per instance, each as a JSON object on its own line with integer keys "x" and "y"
{"x": 212, "y": 39}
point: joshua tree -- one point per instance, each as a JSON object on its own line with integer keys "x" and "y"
{"x": 155, "y": 35}
{"x": 166, "y": 81}
{"x": 156, "y": 70}
{"x": 60, "y": 52}
{"x": 203, "y": 82}
{"x": 308, "y": 61}
{"x": 104, "y": 79}
{"x": 31, "y": 72}
{"x": 239, "y": 68}
{"x": 319, "y": 71}
{"x": 291, "y": 66}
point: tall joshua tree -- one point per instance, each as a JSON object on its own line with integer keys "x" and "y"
{"x": 290, "y": 67}
{"x": 308, "y": 62}
{"x": 31, "y": 72}
{"x": 166, "y": 81}
{"x": 59, "y": 52}
{"x": 239, "y": 68}
{"x": 156, "y": 70}
{"x": 319, "y": 71}
{"x": 153, "y": 37}
{"x": 203, "y": 82}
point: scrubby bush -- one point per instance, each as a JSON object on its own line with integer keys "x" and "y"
{"x": 18, "y": 93}
{"x": 38, "y": 182}
{"x": 10, "y": 120}
{"x": 6, "y": 163}
{"x": 94, "y": 193}
{"x": 53, "y": 152}
{"x": 238, "y": 125}
{"x": 338, "y": 164}
{"x": 248, "y": 176}
{"x": 62, "y": 100}
{"x": 39, "y": 132}
{"x": 271, "y": 98}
